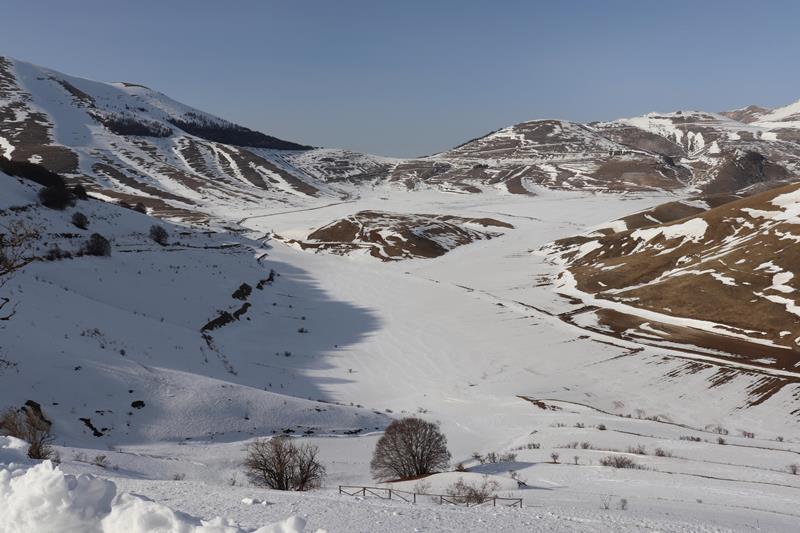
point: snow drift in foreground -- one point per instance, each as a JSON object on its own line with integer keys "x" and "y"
{"x": 40, "y": 497}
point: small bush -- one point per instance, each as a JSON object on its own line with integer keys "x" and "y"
{"x": 554, "y": 456}
{"x": 794, "y": 468}
{"x": 159, "y": 235}
{"x": 79, "y": 192}
{"x": 619, "y": 461}
{"x": 661, "y": 452}
{"x": 79, "y": 220}
{"x": 55, "y": 197}
{"x": 623, "y": 504}
{"x": 56, "y": 254}
{"x": 140, "y": 208}
{"x": 460, "y": 467}
{"x": 472, "y": 494}
{"x": 720, "y": 440}
{"x": 601, "y": 427}
{"x": 639, "y": 449}
{"x": 690, "y": 438}
{"x": 605, "y": 501}
{"x": 101, "y": 461}
{"x": 586, "y": 445}
{"x": 98, "y": 245}
{"x": 29, "y": 425}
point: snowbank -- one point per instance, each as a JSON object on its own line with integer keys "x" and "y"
{"x": 43, "y": 499}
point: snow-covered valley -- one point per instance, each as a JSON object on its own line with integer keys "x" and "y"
{"x": 544, "y": 293}
{"x": 341, "y": 344}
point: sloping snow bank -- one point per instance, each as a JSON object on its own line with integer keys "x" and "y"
{"x": 43, "y": 499}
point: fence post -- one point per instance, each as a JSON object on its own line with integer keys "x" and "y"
{"x": 390, "y": 494}
{"x": 415, "y": 497}
{"x": 494, "y": 503}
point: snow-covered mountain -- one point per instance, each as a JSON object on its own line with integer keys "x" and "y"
{"x": 134, "y": 144}
{"x": 131, "y": 143}
{"x": 717, "y": 278}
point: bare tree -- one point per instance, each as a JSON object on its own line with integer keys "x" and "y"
{"x": 279, "y": 464}
{"x": 30, "y": 425}
{"x": 409, "y": 448}
{"x": 17, "y": 242}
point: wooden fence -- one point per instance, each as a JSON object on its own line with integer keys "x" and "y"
{"x": 411, "y": 497}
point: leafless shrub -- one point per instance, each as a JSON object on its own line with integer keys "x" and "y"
{"x": 586, "y": 445}
{"x": 180, "y": 476}
{"x": 576, "y": 459}
{"x": 508, "y": 457}
{"x": 794, "y": 468}
{"x": 601, "y": 427}
{"x": 623, "y": 504}
{"x": 410, "y": 447}
{"x": 100, "y": 460}
{"x": 460, "y": 467}
{"x": 79, "y": 220}
{"x": 779, "y": 438}
{"x": 661, "y": 452}
{"x": 639, "y": 449}
{"x": 472, "y": 494}
{"x": 720, "y": 440}
{"x": 690, "y": 438}
{"x": 619, "y": 461}
{"x": 513, "y": 474}
{"x": 605, "y": 501}
{"x": 279, "y": 464}
{"x": 573, "y": 444}
{"x": 748, "y": 434}
{"x": 554, "y": 456}
{"x": 423, "y": 486}
{"x": 97, "y": 245}
{"x": 29, "y": 425}
{"x": 159, "y": 235}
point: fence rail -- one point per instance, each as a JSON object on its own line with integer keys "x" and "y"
{"x": 411, "y": 497}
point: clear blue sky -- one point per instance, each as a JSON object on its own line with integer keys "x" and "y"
{"x": 414, "y": 77}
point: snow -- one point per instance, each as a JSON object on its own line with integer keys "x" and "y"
{"x": 692, "y": 230}
{"x": 7, "y": 148}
